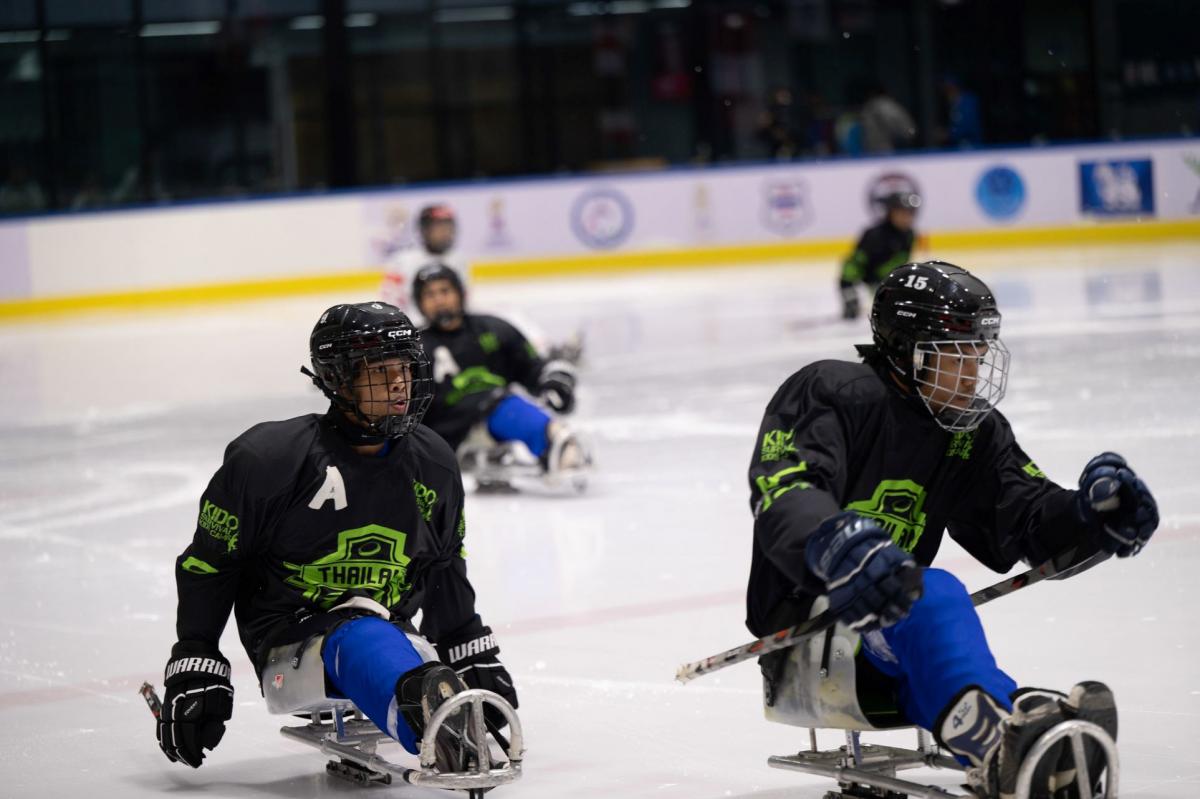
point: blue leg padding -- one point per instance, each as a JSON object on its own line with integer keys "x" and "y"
{"x": 364, "y": 658}
{"x": 518, "y": 419}
{"x": 937, "y": 651}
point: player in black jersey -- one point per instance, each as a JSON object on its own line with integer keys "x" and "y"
{"x": 859, "y": 470}
{"x": 880, "y": 249}
{"x": 476, "y": 361}
{"x": 340, "y": 525}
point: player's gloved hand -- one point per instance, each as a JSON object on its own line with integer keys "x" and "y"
{"x": 850, "y": 307}
{"x": 871, "y": 582}
{"x": 198, "y": 702}
{"x": 557, "y": 389}
{"x": 1116, "y": 505}
{"x": 475, "y": 659}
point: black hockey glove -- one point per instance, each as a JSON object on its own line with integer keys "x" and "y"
{"x": 474, "y": 658}
{"x": 198, "y": 702}
{"x": 1116, "y": 505}
{"x": 871, "y": 582}
{"x": 557, "y": 389}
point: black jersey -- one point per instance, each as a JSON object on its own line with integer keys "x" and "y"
{"x": 880, "y": 249}
{"x": 295, "y": 518}
{"x": 471, "y": 368}
{"x": 836, "y": 437}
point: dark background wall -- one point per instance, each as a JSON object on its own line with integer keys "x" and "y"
{"x": 110, "y": 102}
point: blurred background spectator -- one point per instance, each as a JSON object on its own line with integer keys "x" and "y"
{"x": 963, "y": 128}
{"x": 886, "y": 125}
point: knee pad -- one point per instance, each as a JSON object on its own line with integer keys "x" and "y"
{"x": 942, "y": 590}
{"x": 518, "y": 419}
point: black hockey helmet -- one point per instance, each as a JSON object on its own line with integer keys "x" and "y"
{"x": 900, "y": 201}
{"x": 347, "y": 340}
{"x": 431, "y": 214}
{"x": 436, "y": 271}
{"x": 931, "y": 316}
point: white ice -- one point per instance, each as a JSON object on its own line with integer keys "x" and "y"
{"x": 111, "y": 426}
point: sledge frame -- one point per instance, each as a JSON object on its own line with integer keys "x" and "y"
{"x": 356, "y": 738}
{"x": 867, "y": 771}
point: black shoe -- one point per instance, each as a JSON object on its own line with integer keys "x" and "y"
{"x": 1089, "y": 701}
{"x": 419, "y": 694}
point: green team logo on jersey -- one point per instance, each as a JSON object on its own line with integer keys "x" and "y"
{"x": 896, "y": 505}
{"x": 960, "y": 444}
{"x": 426, "y": 497}
{"x": 197, "y": 566}
{"x": 1032, "y": 470}
{"x": 462, "y": 534}
{"x": 777, "y": 444}
{"x": 473, "y": 381}
{"x": 220, "y": 524}
{"x": 368, "y": 558}
{"x": 489, "y": 343}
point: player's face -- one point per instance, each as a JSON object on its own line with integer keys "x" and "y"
{"x": 381, "y": 388}
{"x": 439, "y": 298}
{"x": 949, "y": 374}
{"x": 439, "y": 235}
{"x": 902, "y": 218}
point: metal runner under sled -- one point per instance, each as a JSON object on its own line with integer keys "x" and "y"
{"x": 354, "y": 741}
{"x": 816, "y": 686}
{"x": 865, "y": 771}
{"x": 294, "y": 682}
{"x": 509, "y": 467}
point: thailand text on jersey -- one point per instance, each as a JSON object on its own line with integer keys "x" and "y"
{"x": 836, "y": 437}
{"x": 295, "y": 518}
{"x": 881, "y": 249}
{"x": 471, "y": 365}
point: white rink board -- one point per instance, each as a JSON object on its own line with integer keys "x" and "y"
{"x": 111, "y": 427}
{"x": 523, "y": 219}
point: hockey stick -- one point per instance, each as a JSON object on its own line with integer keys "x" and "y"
{"x": 1050, "y": 570}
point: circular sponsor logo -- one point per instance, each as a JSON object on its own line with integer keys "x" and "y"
{"x": 786, "y": 209}
{"x": 886, "y": 185}
{"x": 1000, "y": 192}
{"x": 602, "y": 218}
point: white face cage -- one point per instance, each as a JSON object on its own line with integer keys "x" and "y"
{"x": 960, "y": 382}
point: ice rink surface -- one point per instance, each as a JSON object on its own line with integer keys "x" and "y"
{"x": 111, "y": 427}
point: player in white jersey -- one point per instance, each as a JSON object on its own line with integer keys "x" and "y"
{"x": 437, "y": 230}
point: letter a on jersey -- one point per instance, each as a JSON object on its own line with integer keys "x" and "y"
{"x": 444, "y": 365}
{"x": 333, "y": 488}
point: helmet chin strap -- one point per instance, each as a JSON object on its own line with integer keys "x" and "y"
{"x": 355, "y": 435}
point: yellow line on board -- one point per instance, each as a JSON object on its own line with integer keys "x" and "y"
{"x": 598, "y": 264}
{"x": 177, "y": 296}
{"x": 725, "y": 255}
{"x": 646, "y": 260}
{"x": 1074, "y": 235}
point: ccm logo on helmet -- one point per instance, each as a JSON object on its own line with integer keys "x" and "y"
{"x": 906, "y": 313}
{"x": 399, "y": 333}
{"x": 989, "y": 321}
